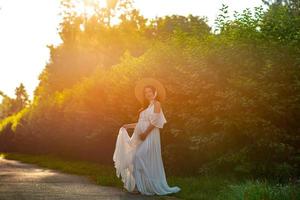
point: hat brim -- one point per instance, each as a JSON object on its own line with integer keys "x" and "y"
{"x": 140, "y": 86}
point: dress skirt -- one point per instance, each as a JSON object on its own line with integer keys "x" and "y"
{"x": 139, "y": 163}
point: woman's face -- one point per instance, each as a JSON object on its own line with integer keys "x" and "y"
{"x": 149, "y": 93}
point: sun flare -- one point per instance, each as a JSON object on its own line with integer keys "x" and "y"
{"x": 205, "y": 94}
{"x": 87, "y": 7}
{"x": 37, "y": 21}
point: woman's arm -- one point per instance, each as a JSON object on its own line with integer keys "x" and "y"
{"x": 132, "y": 125}
{"x": 157, "y": 108}
{"x": 144, "y": 135}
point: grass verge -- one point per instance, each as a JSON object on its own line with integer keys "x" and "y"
{"x": 193, "y": 188}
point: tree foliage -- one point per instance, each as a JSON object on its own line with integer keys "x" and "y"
{"x": 233, "y": 95}
{"x": 10, "y": 106}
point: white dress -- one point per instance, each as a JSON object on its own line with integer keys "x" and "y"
{"x": 138, "y": 162}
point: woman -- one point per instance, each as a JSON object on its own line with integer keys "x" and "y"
{"x": 138, "y": 158}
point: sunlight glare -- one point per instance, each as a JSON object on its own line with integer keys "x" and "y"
{"x": 86, "y": 7}
{"x": 27, "y": 27}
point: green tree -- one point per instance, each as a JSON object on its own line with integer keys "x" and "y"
{"x": 22, "y": 99}
{"x": 164, "y": 27}
{"x": 6, "y": 106}
{"x": 233, "y": 95}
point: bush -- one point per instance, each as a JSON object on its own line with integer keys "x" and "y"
{"x": 233, "y": 96}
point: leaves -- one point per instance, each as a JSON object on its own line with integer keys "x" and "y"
{"x": 232, "y": 95}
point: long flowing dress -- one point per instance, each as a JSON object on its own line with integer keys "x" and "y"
{"x": 139, "y": 163}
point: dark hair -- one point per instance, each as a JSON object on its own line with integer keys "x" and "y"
{"x": 146, "y": 103}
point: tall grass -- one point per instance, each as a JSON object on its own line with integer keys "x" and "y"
{"x": 256, "y": 190}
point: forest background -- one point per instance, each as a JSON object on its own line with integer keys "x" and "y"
{"x": 233, "y": 92}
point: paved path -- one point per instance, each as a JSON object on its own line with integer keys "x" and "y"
{"x": 19, "y": 181}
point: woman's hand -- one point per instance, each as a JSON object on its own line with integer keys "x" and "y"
{"x": 143, "y": 136}
{"x": 125, "y": 126}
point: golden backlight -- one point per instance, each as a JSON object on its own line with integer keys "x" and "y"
{"x": 27, "y": 27}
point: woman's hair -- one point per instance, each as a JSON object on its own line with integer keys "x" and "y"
{"x": 146, "y": 103}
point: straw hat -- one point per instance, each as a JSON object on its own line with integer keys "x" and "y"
{"x": 140, "y": 85}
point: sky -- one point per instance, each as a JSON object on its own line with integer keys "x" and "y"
{"x": 28, "y": 26}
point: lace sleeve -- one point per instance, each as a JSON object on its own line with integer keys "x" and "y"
{"x": 158, "y": 119}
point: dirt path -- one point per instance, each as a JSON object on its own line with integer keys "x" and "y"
{"x": 19, "y": 181}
